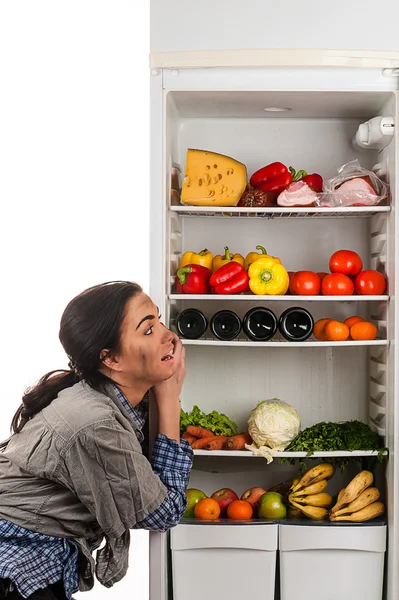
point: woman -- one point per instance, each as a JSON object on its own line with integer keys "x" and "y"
{"x": 73, "y": 474}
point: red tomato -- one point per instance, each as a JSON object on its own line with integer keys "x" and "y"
{"x": 337, "y": 284}
{"x": 346, "y": 262}
{"x": 290, "y": 275}
{"x": 370, "y": 283}
{"x": 305, "y": 283}
{"x": 321, "y": 275}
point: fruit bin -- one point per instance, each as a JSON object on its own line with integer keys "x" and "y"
{"x": 332, "y": 561}
{"x": 221, "y": 555}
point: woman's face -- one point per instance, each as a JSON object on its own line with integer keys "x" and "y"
{"x": 146, "y": 345}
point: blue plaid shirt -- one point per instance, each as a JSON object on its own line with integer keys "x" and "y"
{"x": 32, "y": 560}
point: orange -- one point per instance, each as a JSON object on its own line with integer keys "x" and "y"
{"x": 318, "y": 329}
{"x": 208, "y": 509}
{"x": 240, "y": 510}
{"x": 363, "y": 330}
{"x": 352, "y": 320}
{"x": 335, "y": 331}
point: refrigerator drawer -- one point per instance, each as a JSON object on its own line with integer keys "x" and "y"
{"x": 332, "y": 562}
{"x": 228, "y": 560}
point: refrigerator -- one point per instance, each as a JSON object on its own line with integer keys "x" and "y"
{"x": 302, "y": 107}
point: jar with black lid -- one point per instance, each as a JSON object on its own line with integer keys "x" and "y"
{"x": 191, "y": 324}
{"x": 225, "y": 325}
{"x": 259, "y": 324}
{"x": 296, "y": 324}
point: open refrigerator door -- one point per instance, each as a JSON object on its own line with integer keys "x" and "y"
{"x": 308, "y": 119}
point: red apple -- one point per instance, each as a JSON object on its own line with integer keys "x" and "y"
{"x": 224, "y": 497}
{"x": 253, "y": 496}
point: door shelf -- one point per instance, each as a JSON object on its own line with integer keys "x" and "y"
{"x": 278, "y": 343}
{"x": 286, "y": 298}
{"x": 275, "y": 212}
{"x": 249, "y": 454}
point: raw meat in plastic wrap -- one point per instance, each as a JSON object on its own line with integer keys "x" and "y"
{"x": 353, "y": 186}
{"x": 297, "y": 194}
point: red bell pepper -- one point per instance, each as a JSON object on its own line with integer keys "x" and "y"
{"x": 273, "y": 178}
{"x": 193, "y": 279}
{"x": 231, "y": 278}
{"x": 315, "y": 181}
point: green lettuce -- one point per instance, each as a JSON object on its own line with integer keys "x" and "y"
{"x": 218, "y": 423}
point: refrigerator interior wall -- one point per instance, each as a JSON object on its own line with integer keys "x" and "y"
{"x": 322, "y": 383}
{"x": 387, "y": 370}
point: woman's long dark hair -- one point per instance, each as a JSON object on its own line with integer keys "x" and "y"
{"x": 90, "y": 323}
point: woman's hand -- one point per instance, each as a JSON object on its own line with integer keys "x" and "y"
{"x": 169, "y": 390}
{"x": 167, "y": 394}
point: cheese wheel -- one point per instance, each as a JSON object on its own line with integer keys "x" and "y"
{"x": 212, "y": 179}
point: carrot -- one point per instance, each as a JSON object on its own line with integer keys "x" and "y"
{"x": 198, "y": 432}
{"x": 216, "y": 443}
{"x": 202, "y": 442}
{"x": 189, "y": 438}
{"x": 237, "y": 442}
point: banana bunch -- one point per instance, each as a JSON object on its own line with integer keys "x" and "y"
{"x": 358, "y": 502}
{"x": 308, "y": 494}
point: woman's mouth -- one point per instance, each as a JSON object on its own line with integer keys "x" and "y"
{"x": 168, "y": 356}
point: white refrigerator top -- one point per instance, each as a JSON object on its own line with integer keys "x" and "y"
{"x": 193, "y": 30}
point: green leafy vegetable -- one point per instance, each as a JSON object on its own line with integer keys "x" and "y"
{"x": 216, "y": 422}
{"x": 328, "y": 437}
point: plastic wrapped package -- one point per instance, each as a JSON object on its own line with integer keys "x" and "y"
{"x": 353, "y": 186}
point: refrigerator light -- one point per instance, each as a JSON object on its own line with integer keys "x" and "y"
{"x": 277, "y": 109}
{"x": 375, "y": 133}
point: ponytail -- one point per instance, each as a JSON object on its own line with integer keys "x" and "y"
{"x": 38, "y": 397}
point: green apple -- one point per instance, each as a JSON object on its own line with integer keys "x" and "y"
{"x": 271, "y": 506}
{"x": 193, "y": 496}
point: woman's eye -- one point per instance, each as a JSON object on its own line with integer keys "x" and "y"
{"x": 149, "y": 331}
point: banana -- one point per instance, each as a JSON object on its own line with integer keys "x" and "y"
{"x": 314, "y": 475}
{"x": 363, "y": 480}
{"x": 316, "y": 513}
{"x": 295, "y": 481}
{"x": 340, "y": 494}
{"x": 323, "y": 499}
{"x": 370, "y": 512}
{"x": 316, "y": 488}
{"x": 367, "y": 497}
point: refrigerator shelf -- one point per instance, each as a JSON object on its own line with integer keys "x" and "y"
{"x": 286, "y": 298}
{"x": 248, "y": 453}
{"x": 279, "y": 343}
{"x": 275, "y": 212}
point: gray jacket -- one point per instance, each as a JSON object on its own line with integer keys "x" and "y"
{"x": 77, "y": 471}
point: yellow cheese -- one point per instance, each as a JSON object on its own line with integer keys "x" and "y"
{"x": 212, "y": 179}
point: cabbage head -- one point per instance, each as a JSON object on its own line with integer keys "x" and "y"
{"x": 273, "y": 423}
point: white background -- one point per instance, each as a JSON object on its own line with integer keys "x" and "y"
{"x": 74, "y": 183}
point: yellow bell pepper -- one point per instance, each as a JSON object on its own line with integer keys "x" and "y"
{"x": 220, "y": 260}
{"x": 253, "y": 256}
{"x": 267, "y": 277}
{"x": 203, "y": 258}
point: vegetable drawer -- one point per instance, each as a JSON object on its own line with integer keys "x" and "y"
{"x": 332, "y": 562}
{"x": 226, "y": 560}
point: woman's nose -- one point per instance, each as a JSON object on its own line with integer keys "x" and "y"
{"x": 167, "y": 333}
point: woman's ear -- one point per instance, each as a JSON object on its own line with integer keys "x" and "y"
{"x": 109, "y": 361}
